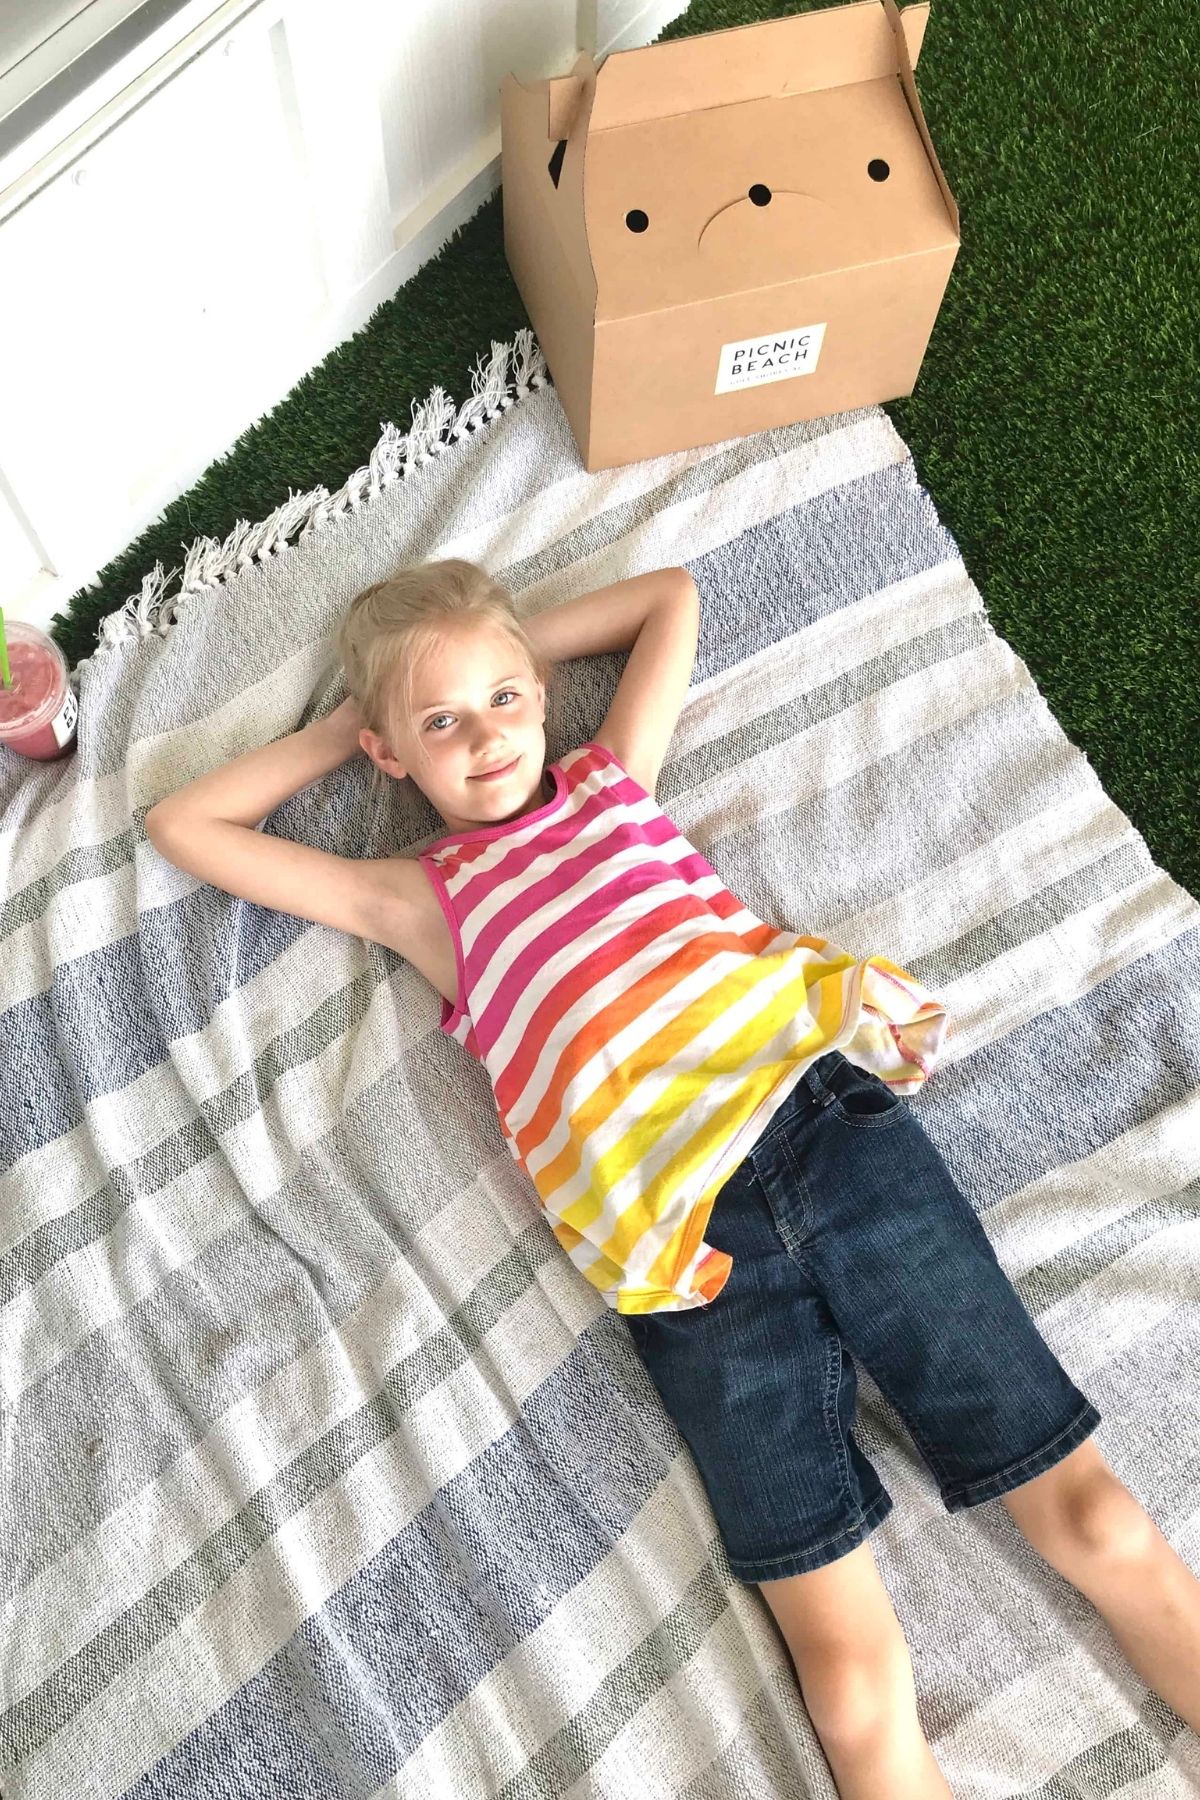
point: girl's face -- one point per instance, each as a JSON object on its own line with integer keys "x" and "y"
{"x": 475, "y": 706}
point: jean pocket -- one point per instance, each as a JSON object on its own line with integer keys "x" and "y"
{"x": 861, "y": 1099}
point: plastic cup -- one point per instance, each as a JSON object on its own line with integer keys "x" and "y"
{"x": 38, "y": 713}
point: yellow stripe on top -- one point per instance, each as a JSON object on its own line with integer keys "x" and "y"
{"x": 640, "y": 1025}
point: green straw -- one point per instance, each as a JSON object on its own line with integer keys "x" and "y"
{"x": 4, "y": 652}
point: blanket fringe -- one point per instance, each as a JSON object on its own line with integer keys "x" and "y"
{"x": 510, "y": 373}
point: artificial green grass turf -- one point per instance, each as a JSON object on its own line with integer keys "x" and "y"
{"x": 1053, "y": 421}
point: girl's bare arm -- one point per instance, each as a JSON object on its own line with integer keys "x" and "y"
{"x": 246, "y": 790}
{"x": 657, "y": 618}
{"x": 207, "y": 828}
{"x": 607, "y": 618}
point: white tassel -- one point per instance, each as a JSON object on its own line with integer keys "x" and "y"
{"x": 511, "y": 373}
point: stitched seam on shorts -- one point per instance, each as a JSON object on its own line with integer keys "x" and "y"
{"x": 870, "y": 1121}
{"x": 794, "y": 1246}
{"x": 857, "y": 1524}
{"x": 780, "y": 1122}
{"x": 865, "y": 1121}
{"x": 969, "y": 1487}
{"x": 833, "y": 1387}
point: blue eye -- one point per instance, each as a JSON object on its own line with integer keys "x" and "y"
{"x": 431, "y": 722}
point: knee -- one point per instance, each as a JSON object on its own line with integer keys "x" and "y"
{"x": 1103, "y": 1520}
{"x": 1092, "y": 1520}
{"x": 854, "y": 1695}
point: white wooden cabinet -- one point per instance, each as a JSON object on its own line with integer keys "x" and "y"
{"x": 175, "y": 265}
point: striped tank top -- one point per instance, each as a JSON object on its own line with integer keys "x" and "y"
{"x": 640, "y": 1027}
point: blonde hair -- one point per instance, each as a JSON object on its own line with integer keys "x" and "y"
{"x": 389, "y": 628}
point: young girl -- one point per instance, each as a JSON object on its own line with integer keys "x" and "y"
{"x": 652, "y": 1046}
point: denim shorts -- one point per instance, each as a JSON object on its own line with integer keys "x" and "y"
{"x": 849, "y": 1236}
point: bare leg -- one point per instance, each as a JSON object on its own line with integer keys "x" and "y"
{"x": 1082, "y": 1518}
{"x": 856, "y": 1677}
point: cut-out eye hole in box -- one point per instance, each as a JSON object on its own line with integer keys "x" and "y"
{"x": 723, "y": 233}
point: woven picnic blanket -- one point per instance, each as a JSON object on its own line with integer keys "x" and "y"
{"x": 325, "y": 1473}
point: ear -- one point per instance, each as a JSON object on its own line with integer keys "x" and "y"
{"x": 380, "y": 753}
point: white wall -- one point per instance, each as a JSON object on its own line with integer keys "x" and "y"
{"x": 176, "y": 261}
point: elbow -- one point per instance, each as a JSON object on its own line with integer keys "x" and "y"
{"x": 154, "y": 826}
{"x": 157, "y": 826}
{"x": 154, "y": 822}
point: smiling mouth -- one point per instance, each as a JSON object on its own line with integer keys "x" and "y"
{"x": 490, "y": 774}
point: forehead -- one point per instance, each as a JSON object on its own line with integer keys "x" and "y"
{"x": 460, "y": 659}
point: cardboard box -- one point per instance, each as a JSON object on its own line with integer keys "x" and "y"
{"x": 724, "y": 233}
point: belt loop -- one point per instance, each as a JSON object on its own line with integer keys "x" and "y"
{"x": 822, "y": 1096}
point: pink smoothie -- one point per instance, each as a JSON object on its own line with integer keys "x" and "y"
{"x": 38, "y": 712}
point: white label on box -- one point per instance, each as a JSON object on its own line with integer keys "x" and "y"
{"x": 775, "y": 356}
{"x": 63, "y": 724}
